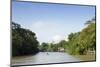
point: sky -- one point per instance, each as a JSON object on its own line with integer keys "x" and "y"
{"x": 51, "y": 22}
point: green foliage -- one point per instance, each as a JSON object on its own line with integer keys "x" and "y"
{"x": 84, "y": 41}
{"x": 44, "y": 47}
{"x": 48, "y": 47}
{"x": 23, "y": 41}
{"x": 52, "y": 47}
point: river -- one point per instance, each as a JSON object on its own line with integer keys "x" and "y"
{"x": 44, "y": 58}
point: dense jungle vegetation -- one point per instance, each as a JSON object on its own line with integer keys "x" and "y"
{"x": 24, "y": 41}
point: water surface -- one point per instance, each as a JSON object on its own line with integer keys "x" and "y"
{"x": 44, "y": 58}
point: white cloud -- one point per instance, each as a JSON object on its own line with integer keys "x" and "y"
{"x": 57, "y": 38}
{"x": 49, "y": 31}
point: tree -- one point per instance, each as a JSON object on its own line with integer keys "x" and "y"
{"x": 83, "y": 41}
{"x": 24, "y": 41}
{"x": 44, "y": 46}
{"x": 70, "y": 36}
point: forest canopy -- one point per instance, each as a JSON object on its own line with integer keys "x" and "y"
{"x": 24, "y": 41}
{"x": 83, "y": 41}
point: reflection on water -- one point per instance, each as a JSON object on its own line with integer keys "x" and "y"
{"x": 44, "y": 57}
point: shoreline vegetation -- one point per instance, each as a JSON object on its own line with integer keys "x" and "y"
{"x": 80, "y": 44}
{"x": 86, "y": 57}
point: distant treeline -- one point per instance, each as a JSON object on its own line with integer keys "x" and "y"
{"x": 78, "y": 43}
{"x": 24, "y": 41}
{"x": 53, "y": 47}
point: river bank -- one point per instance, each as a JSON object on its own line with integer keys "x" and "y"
{"x": 88, "y": 57}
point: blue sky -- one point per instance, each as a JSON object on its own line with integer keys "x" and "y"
{"x": 51, "y": 22}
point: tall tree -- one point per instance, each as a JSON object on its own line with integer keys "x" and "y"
{"x": 24, "y": 41}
